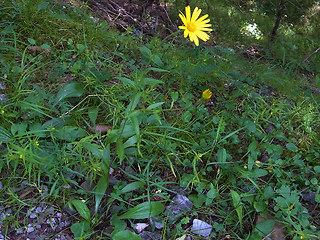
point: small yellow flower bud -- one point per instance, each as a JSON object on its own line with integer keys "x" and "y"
{"x": 207, "y": 94}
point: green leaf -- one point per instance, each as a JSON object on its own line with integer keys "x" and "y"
{"x": 82, "y": 209}
{"x": 264, "y": 228}
{"x": 236, "y": 201}
{"x": 93, "y": 114}
{"x": 126, "y": 235}
{"x": 259, "y": 206}
{"x": 93, "y": 148}
{"x": 31, "y": 41}
{"x": 157, "y": 69}
{"x": 69, "y": 133}
{"x": 130, "y": 142}
{"x": 222, "y": 155}
{"x": 132, "y": 186}
{"x": 80, "y": 228}
{"x": 145, "y": 51}
{"x": 292, "y": 147}
{"x": 268, "y": 193}
{"x": 186, "y": 117}
{"x": 5, "y": 136}
{"x": 127, "y": 81}
{"x": 143, "y": 210}
{"x": 43, "y": 5}
{"x": 155, "y": 105}
{"x": 120, "y": 149}
{"x": 74, "y": 89}
{"x": 316, "y": 168}
{"x": 152, "y": 81}
{"x": 100, "y": 190}
{"x": 317, "y": 198}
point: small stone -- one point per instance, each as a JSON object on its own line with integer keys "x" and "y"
{"x": 309, "y": 197}
{"x": 140, "y": 227}
{"x": 30, "y": 229}
{"x": 156, "y": 222}
{"x": 3, "y": 97}
{"x": 33, "y": 215}
{"x": 146, "y": 235}
{"x": 179, "y": 204}
{"x": 59, "y": 215}
{"x": 1, "y": 186}
{"x": 38, "y": 226}
{"x": 1, "y": 237}
{"x": 201, "y": 228}
{"x": 39, "y": 210}
{"x": 19, "y": 231}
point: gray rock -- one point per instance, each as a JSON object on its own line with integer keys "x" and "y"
{"x": 139, "y": 227}
{"x": 33, "y": 215}
{"x": 30, "y": 229}
{"x": 1, "y": 237}
{"x": 201, "y": 228}
{"x": 2, "y": 97}
{"x": 1, "y": 186}
{"x": 309, "y": 197}
{"x": 156, "y": 221}
{"x": 39, "y": 210}
{"x": 179, "y": 204}
{"x": 19, "y": 231}
{"x": 146, "y": 235}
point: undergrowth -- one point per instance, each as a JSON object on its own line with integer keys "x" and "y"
{"x": 83, "y": 100}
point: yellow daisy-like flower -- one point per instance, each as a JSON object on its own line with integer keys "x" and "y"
{"x": 207, "y": 94}
{"x": 195, "y": 27}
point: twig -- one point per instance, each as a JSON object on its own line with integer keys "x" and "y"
{"x": 311, "y": 55}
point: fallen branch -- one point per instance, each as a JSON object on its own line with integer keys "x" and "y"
{"x": 311, "y": 55}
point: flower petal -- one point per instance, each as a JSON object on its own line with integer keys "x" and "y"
{"x": 183, "y": 18}
{"x": 196, "y": 14}
{"x": 188, "y": 13}
{"x": 202, "y": 18}
{"x": 203, "y": 36}
{"x": 186, "y": 33}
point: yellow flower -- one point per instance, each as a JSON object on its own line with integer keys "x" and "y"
{"x": 195, "y": 27}
{"x": 20, "y": 156}
{"x": 207, "y": 94}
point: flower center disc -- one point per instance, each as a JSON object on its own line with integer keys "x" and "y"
{"x": 191, "y": 27}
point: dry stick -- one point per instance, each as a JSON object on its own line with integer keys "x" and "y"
{"x": 311, "y": 55}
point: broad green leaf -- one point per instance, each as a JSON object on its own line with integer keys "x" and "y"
{"x": 264, "y": 228}
{"x": 120, "y": 149}
{"x": 292, "y": 147}
{"x": 93, "y": 148}
{"x": 222, "y": 155}
{"x": 82, "y": 209}
{"x": 250, "y": 162}
{"x": 316, "y": 168}
{"x": 236, "y": 201}
{"x": 132, "y": 186}
{"x": 100, "y": 190}
{"x": 143, "y": 210}
{"x": 186, "y": 116}
{"x": 69, "y": 133}
{"x": 31, "y": 41}
{"x": 155, "y": 105}
{"x": 268, "y": 193}
{"x": 130, "y": 142}
{"x": 152, "y": 81}
{"x": 259, "y": 206}
{"x": 127, "y": 81}
{"x": 145, "y": 51}
{"x": 133, "y": 104}
{"x": 126, "y": 235}
{"x": 43, "y": 5}
{"x": 80, "y": 228}
{"x": 5, "y": 136}
{"x": 93, "y": 114}
{"x": 74, "y": 89}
